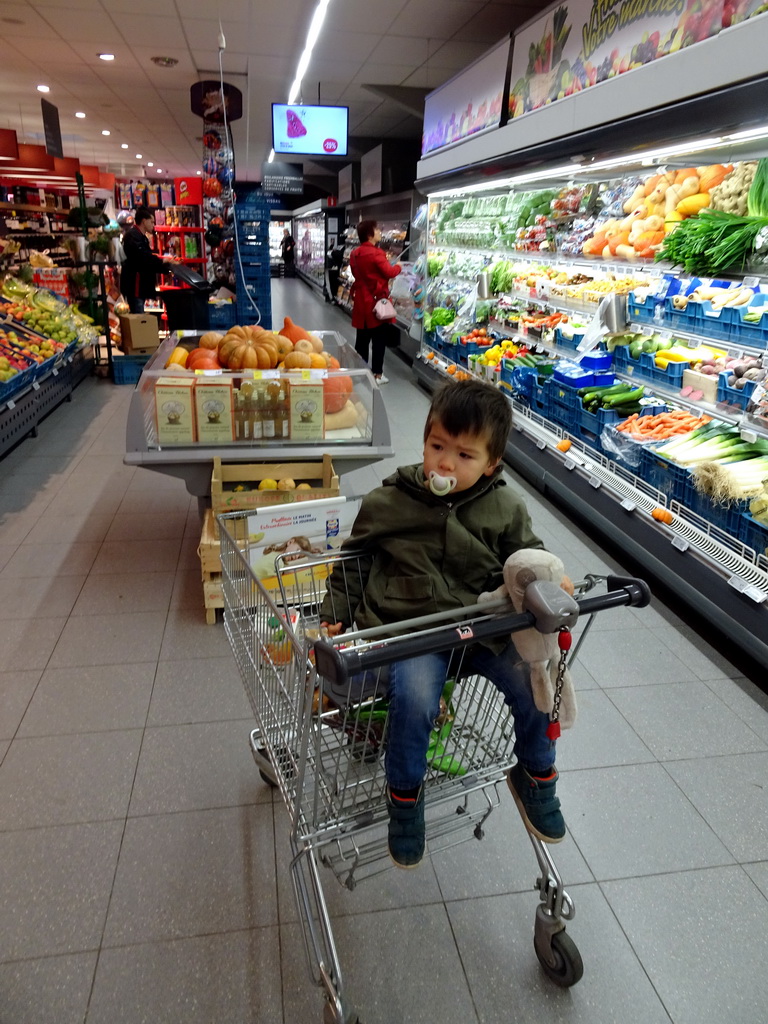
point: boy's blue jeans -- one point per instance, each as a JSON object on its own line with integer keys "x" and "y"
{"x": 415, "y": 687}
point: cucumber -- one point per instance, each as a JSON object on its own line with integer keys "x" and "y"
{"x": 626, "y": 410}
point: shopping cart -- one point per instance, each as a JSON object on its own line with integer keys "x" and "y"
{"x": 321, "y": 722}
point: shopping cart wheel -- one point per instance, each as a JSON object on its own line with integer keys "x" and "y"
{"x": 267, "y": 778}
{"x": 562, "y": 962}
{"x": 331, "y": 1017}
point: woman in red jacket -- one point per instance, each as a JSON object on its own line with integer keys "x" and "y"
{"x": 372, "y": 272}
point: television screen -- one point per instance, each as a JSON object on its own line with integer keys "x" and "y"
{"x": 309, "y": 130}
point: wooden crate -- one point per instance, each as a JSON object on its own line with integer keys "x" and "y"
{"x": 213, "y": 595}
{"x": 702, "y": 382}
{"x": 320, "y": 475}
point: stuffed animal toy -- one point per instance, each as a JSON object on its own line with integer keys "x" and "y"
{"x": 540, "y": 650}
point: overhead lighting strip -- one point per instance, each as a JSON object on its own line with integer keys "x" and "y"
{"x": 315, "y": 27}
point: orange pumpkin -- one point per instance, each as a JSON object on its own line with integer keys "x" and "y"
{"x": 210, "y": 340}
{"x": 297, "y": 361}
{"x": 198, "y": 355}
{"x": 336, "y": 392}
{"x": 293, "y": 332}
{"x": 317, "y": 361}
{"x": 333, "y": 363}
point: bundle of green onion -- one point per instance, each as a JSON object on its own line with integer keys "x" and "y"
{"x": 724, "y": 466}
{"x": 714, "y": 242}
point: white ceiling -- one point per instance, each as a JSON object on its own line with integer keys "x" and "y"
{"x": 417, "y": 43}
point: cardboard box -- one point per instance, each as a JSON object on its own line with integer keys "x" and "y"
{"x": 234, "y": 486}
{"x": 214, "y": 409}
{"x": 307, "y": 416}
{"x": 139, "y": 334}
{"x": 175, "y": 410}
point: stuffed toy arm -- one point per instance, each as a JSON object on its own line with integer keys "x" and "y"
{"x": 539, "y": 650}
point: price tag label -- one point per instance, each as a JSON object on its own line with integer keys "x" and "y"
{"x": 648, "y": 331}
{"x": 751, "y": 282}
{"x": 55, "y": 372}
{"x": 692, "y": 343}
{"x": 733, "y": 353}
{"x": 541, "y": 445}
{"x": 628, "y": 505}
{"x": 665, "y": 335}
{"x": 570, "y": 464}
{"x": 11, "y": 404}
{"x": 594, "y": 482}
{"x": 35, "y": 386}
{"x": 209, "y": 373}
{"x": 680, "y": 543}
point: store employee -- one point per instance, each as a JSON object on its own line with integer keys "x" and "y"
{"x": 141, "y": 265}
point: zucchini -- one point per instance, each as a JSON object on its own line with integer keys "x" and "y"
{"x": 626, "y": 410}
{"x": 624, "y": 397}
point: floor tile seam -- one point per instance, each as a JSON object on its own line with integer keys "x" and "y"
{"x": 278, "y": 912}
{"x": 48, "y": 956}
{"x": 76, "y": 732}
{"x": 184, "y": 725}
{"x": 60, "y": 825}
{"x": 739, "y": 715}
{"x": 111, "y": 946}
{"x": 464, "y": 967}
{"x": 635, "y": 952}
{"x": 203, "y": 809}
{"x": 117, "y": 729}
{"x": 629, "y": 725}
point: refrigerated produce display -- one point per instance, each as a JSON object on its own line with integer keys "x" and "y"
{"x": 395, "y": 216}
{"x": 316, "y": 229}
{"x": 276, "y": 227}
{"x": 622, "y": 304}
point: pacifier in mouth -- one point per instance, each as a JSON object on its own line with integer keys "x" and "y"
{"x": 441, "y": 485}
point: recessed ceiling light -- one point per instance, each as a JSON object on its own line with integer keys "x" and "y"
{"x": 138, "y": 156}
{"x": 79, "y": 113}
{"x": 150, "y": 164}
{"x": 199, "y": 172}
{"x": 164, "y": 62}
{"x": 105, "y": 131}
{"x": 106, "y": 56}
{"x": 123, "y": 145}
{"x": 43, "y": 88}
{"x": 159, "y": 170}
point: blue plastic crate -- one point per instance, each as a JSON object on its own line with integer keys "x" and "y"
{"x": 641, "y": 311}
{"x": 223, "y": 314}
{"x": 715, "y": 324}
{"x": 726, "y": 517}
{"x": 747, "y": 332}
{"x": 597, "y": 361}
{"x": 753, "y": 534}
{"x": 127, "y": 369}
{"x": 733, "y": 396}
{"x": 568, "y": 344}
{"x": 540, "y": 402}
{"x": 670, "y": 377}
{"x": 18, "y": 383}
{"x": 664, "y": 475}
{"x": 681, "y": 319}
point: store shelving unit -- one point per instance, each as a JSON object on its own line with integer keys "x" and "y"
{"x": 315, "y": 228}
{"x": 720, "y": 578}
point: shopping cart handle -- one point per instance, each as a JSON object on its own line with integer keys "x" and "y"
{"x": 548, "y": 609}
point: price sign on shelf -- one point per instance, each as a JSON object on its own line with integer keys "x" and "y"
{"x": 751, "y": 282}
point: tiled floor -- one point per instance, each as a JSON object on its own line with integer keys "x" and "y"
{"x": 143, "y": 862}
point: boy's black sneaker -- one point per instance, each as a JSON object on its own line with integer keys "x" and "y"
{"x": 537, "y": 803}
{"x": 406, "y": 830}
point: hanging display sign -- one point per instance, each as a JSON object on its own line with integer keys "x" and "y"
{"x": 468, "y": 103}
{"x": 52, "y": 129}
{"x": 188, "y": 191}
{"x": 210, "y": 101}
{"x": 574, "y": 46}
{"x": 282, "y": 178}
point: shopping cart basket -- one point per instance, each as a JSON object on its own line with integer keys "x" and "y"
{"x": 320, "y": 706}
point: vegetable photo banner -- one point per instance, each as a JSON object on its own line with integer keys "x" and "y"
{"x": 574, "y": 46}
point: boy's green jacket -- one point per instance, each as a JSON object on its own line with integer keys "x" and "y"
{"x": 421, "y": 554}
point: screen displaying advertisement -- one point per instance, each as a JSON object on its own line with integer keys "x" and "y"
{"x": 469, "y": 103}
{"x": 309, "y": 130}
{"x": 576, "y": 45}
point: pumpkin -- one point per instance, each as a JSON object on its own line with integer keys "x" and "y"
{"x": 317, "y": 361}
{"x": 210, "y": 340}
{"x": 317, "y": 343}
{"x": 246, "y": 356}
{"x": 293, "y": 332}
{"x": 284, "y": 345}
{"x": 333, "y": 363}
{"x": 303, "y": 345}
{"x": 203, "y": 355}
{"x": 297, "y": 361}
{"x": 336, "y": 391}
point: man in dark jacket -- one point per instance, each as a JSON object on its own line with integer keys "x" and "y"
{"x": 141, "y": 265}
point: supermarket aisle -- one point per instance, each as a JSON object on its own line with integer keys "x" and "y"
{"x": 143, "y": 867}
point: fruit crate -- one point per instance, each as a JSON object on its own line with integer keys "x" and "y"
{"x": 715, "y": 324}
{"x": 726, "y": 517}
{"x": 567, "y": 344}
{"x": 663, "y": 474}
{"x": 738, "y": 397}
{"x": 18, "y": 383}
{"x": 128, "y": 369}
{"x": 746, "y": 331}
{"x": 681, "y": 319}
{"x": 753, "y": 533}
{"x": 641, "y": 311}
{"x": 591, "y": 424}
{"x": 234, "y": 486}
{"x": 645, "y": 369}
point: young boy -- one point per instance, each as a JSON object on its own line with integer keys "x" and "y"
{"x": 437, "y": 535}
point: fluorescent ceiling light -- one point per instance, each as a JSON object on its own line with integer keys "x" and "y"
{"x": 79, "y": 113}
{"x": 106, "y": 56}
{"x": 198, "y": 172}
{"x": 271, "y": 156}
{"x": 308, "y": 213}
{"x": 159, "y": 170}
{"x": 752, "y": 133}
{"x": 150, "y": 164}
{"x": 43, "y": 88}
{"x": 313, "y": 34}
